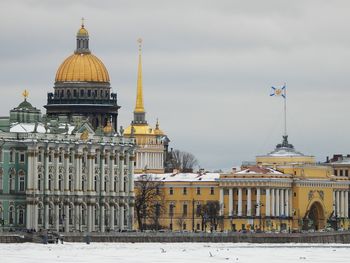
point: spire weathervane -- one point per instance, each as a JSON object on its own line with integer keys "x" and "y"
{"x": 82, "y": 21}
{"x": 25, "y": 94}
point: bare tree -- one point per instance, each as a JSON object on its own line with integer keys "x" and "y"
{"x": 183, "y": 161}
{"x": 149, "y": 200}
{"x": 180, "y": 221}
{"x": 209, "y": 213}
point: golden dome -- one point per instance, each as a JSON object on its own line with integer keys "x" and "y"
{"x": 82, "y": 67}
{"x": 82, "y": 31}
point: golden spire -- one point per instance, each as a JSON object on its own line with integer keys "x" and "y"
{"x": 139, "y": 97}
{"x": 82, "y": 21}
{"x": 25, "y": 94}
{"x": 157, "y": 124}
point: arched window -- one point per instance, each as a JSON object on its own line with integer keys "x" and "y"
{"x": 71, "y": 214}
{"x": 96, "y": 184}
{"x": 106, "y": 183}
{"x": 83, "y": 215}
{"x": 50, "y": 214}
{"x": 12, "y": 180}
{"x": 116, "y": 183}
{"x": 60, "y": 182}
{"x": 82, "y": 93}
{"x": 11, "y": 215}
{"x": 50, "y": 182}
{"x": 70, "y": 183}
{"x": 12, "y": 155}
{"x": 97, "y": 212}
{"x": 21, "y": 181}
{"x": 21, "y": 216}
{"x": 40, "y": 214}
{"x": 40, "y": 182}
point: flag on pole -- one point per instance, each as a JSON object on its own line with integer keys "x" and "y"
{"x": 278, "y": 92}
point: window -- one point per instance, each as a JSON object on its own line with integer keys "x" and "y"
{"x": 12, "y": 180}
{"x": 184, "y": 191}
{"x": 12, "y": 156}
{"x": 116, "y": 183}
{"x": 184, "y": 226}
{"x": 40, "y": 157}
{"x": 340, "y": 172}
{"x": 184, "y": 210}
{"x": 21, "y": 216}
{"x": 50, "y": 182}
{"x": 89, "y": 93}
{"x": 11, "y": 215}
{"x": 198, "y": 226}
{"x": 106, "y": 184}
{"x": 21, "y": 157}
{"x": 212, "y": 190}
{"x": 96, "y": 183}
{"x": 40, "y": 214}
{"x": 81, "y": 93}
{"x": 335, "y": 172}
{"x": 74, "y": 93}
{"x": 198, "y": 190}
{"x": 21, "y": 181}
{"x": 60, "y": 182}
{"x": 60, "y": 158}
{"x": 40, "y": 187}
{"x": 70, "y": 183}
{"x": 347, "y": 173}
{"x": 171, "y": 191}
{"x": 50, "y": 157}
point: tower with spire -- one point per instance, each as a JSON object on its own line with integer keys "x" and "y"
{"x": 152, "y": 142}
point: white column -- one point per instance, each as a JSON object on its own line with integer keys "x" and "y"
{"x": 277, "y": 199}
{"x": 273, "y": 203}
{"x": 342, "y": 202}
{"x": 347, "y": 204}
{"x": 281, "y": 201}
{"x": 221, "y": 201}
{"x": 267, "y": 202}
{"x": 338, "y": 203}
{"x": 239, "y": 202}
{"x": 121, "y": 173}
{"x": 286, "y": 200}
{"x": 258, "y": 203}
{"x": 249, "y": 201}
{"x": 230, "y": 201}
{"x": 89, "y": 217}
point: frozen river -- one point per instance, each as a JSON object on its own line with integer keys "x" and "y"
{"x": 173, "y": 252}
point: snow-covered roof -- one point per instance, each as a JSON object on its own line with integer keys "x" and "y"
{"x": 27, "y": 127}
{"x": 258, "y": 170}
{"x": 285, "y": 152}
{"x": 342, "y": 161}
{"x": 182, "y": 177}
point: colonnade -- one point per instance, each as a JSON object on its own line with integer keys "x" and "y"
{"x": 277, "y": 202}
{"x": 153, "y": 160}
{"x": 341, "y": 203}
{"x": 70, "y": 189}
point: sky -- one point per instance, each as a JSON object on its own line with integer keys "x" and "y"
{"x": 208, "y": 67}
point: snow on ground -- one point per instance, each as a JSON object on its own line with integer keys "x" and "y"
{"x": 173, "y": 252}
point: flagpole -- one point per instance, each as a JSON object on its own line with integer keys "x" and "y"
{"x": 285, "y": 110}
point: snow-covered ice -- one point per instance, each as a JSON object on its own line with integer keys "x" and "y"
{"x": 173, "y": 252}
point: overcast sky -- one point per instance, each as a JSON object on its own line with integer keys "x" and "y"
{"x": 207, "y": 68}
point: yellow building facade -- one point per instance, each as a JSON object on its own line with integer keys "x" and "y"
{"x": 283, "y": 191}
